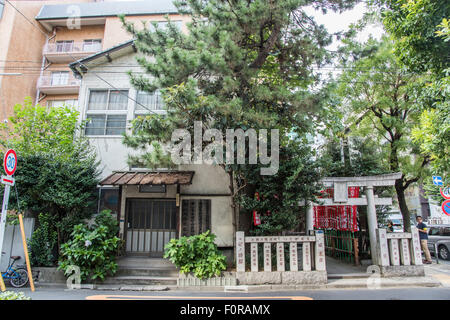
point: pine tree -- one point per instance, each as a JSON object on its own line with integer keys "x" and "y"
{"x": 241, "y": 64}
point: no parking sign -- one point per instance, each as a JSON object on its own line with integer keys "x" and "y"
{"x": 446, "y": 207}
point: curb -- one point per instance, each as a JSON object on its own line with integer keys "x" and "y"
{"x": 353, "y": 283}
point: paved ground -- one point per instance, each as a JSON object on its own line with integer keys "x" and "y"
{"x": 342, "y": 294}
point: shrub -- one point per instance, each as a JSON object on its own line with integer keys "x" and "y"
{"x": 11, "y": 295}
{"x": 92, "y": 248}
{"x": 197, "y": 254}
{"x": 43, "y": 242}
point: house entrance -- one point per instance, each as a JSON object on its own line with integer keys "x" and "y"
{"x": 151, "y": 223}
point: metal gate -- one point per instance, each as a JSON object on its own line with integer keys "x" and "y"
{"x": 151, "y": 224}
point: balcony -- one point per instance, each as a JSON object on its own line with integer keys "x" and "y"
{"x": 69, "y": 51}
{"x": 58, "y": 84}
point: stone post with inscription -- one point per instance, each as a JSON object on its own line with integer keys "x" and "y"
{"x": 240, "y": 251}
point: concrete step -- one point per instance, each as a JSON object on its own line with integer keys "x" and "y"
{"x": 149, "y": 272}
{"x": 144, "y": 262}
{"x": 348, "y": 275}
{"x": 141, "y": 280}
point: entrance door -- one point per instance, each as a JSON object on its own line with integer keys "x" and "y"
{"x": 151, "y": 224}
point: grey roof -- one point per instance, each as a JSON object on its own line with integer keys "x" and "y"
{"x": 105, "y": 9}
{"x": 79, "y": 65}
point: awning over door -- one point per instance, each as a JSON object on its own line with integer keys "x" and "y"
{"x": 149, "y": 177}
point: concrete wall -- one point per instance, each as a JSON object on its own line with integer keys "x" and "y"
{"x": 12, "y": 243}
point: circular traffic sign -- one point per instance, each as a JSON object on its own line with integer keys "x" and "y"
{"x": 446, "y": 207}
{"x": 445, "y": 192}
{"x": 10, "y": 162}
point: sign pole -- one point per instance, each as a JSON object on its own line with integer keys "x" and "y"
{"x": 25, "y": 250}
{"x": 10, "y": 166}
{"x": 3, "y": 225}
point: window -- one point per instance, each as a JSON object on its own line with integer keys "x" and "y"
{"x": 107, "y": 112}
{"x": 163, "y": 24}
{"x": 109, "y": 200}
{"x": 148, "y": 101}
{"x": 64, "y": 46}
{"x": 62, "y": 103}
{"x": 92, "y": 45}
{"x": 60, "y": 78}
{"x": 433, "y": 231}
{"x": 196, "y": 216}
{"x": 446, "y": 232}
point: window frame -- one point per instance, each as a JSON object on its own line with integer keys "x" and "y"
{"x": 92, "y": 41}
{"x": 143, "y": 112}
{"x": 64, "y": 43}
{"x": 106, "y": 113}
{"x": 56, "y": 72}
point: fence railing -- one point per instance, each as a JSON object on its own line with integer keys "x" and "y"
{"x": 342, "y": 245}
{"x": 49, "y": 81}
{"x": 71, "y": 47}
{"x": 312, "y": 248}
{"x": 399, "y": 249}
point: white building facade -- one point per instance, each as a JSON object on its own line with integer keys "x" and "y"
{"x": 153, "y": 206}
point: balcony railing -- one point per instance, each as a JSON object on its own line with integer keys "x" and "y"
{"x": 58, "y": 85}
{"x": 61, "y": 52}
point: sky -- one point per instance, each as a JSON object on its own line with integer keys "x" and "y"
{"x": 335, "y": 22}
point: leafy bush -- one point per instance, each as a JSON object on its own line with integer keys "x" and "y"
{"x": 43, "y": 242}
{"x": 197, "y": 254}
{"x": 92, "y": 248}
{"x": 11, "y": 295}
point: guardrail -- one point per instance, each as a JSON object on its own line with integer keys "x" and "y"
{"x": 311, "y": 271}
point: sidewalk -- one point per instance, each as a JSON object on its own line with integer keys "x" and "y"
{"x": 439, "y": 272}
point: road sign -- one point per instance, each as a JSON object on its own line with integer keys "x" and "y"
{"x": 437, "y": 180}
{"x": 8, "y": 180}
{"x": 10, "y": 162}
{"x": 446, "y": 207}
{"x": 445, "y": 192}
{"x": 10, "y": 165}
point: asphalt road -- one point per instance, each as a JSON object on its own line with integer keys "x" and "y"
{"x": 326, "y": 294}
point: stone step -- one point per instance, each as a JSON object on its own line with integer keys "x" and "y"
{"x": 348, "y": 275}
{"x": 140, "y": 280}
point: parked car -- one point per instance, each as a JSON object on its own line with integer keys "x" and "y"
{"x": 440, "y": 234}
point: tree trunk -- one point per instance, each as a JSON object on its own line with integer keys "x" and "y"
{"x": 399, "y": 189}
{"x": 402, "y": 204}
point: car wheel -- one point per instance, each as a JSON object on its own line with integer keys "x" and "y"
{"x": 444, "y": 254}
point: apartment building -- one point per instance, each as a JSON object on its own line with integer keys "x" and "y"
{"x": 39, "y": 39}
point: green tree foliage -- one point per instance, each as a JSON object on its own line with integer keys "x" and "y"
{"x": 37, "y": 129}
{"x": 422, "y": 42}
{"x": 57, "y": 169}
{"x": 280, "y": 194}
{"x": 413, "y": 25}
{"x": 197, "y": 254}
{"x": 93, "y": 248}
{"x": 241, "y": 64}
{"x": 378, "y": 100}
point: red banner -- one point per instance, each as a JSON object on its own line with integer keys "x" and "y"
{"x": 337, "y": 217}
